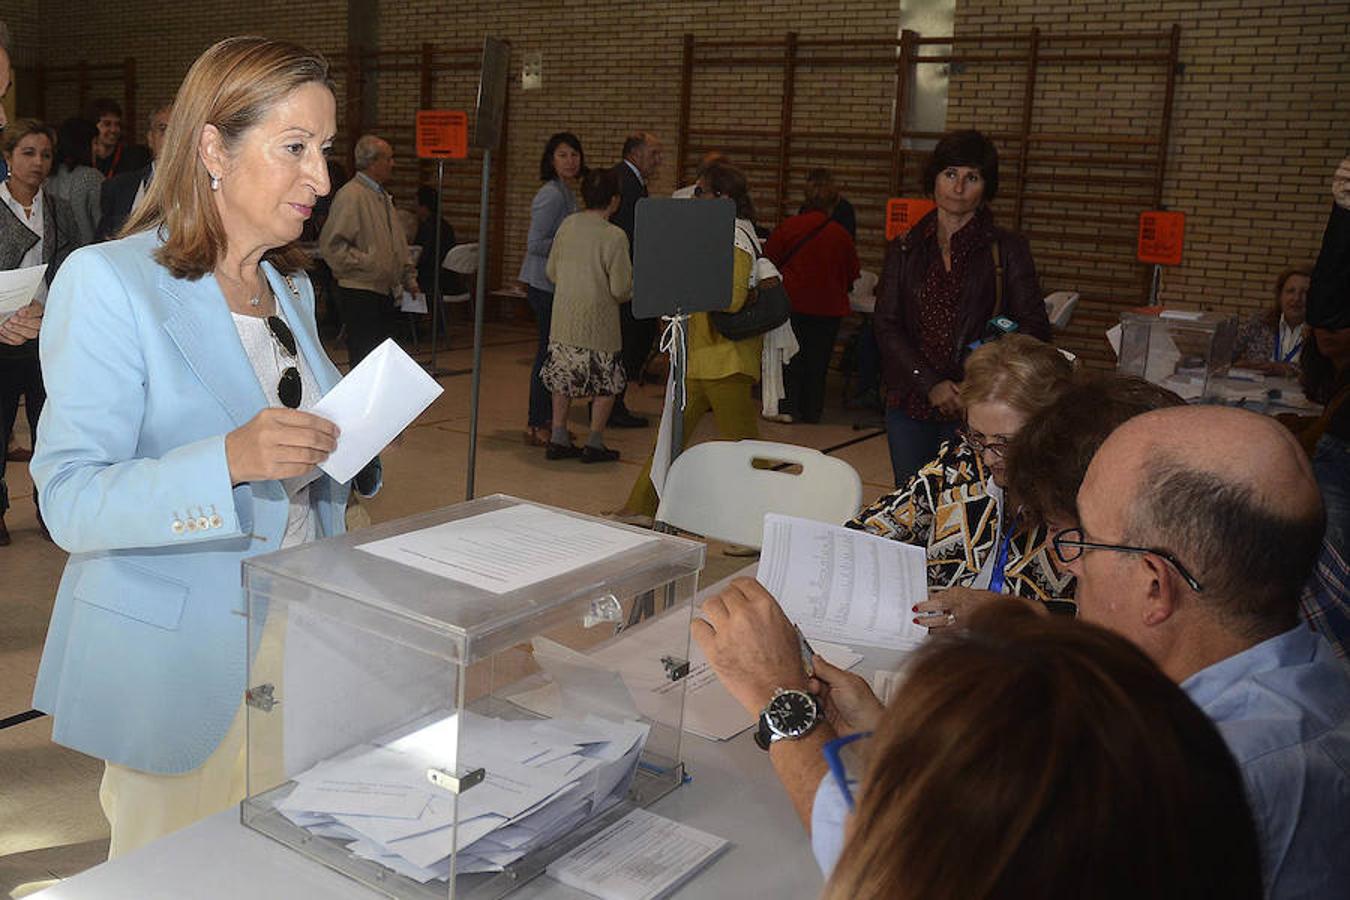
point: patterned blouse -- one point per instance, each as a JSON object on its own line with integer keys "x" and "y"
{"x": 946, "y": 508}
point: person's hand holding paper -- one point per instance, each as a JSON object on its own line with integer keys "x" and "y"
{"x": 23, "y": 325}
{"x": 376, "y": 401}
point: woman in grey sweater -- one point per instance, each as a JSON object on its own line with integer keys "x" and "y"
{"x": 590, "y": 267}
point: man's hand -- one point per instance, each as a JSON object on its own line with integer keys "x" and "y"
{"x": 946, "y": 399}
{"x": 1340, "y": 184}
{"x": 850, "y": 705}
{"x": 24, "y": 325}
{"x": 750, "y": 644}
{"x": 947, "y": 609}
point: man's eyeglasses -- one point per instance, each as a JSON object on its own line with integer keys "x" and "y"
{"x": 290, "y": 389}
{"x": 700, "y": 192}
{"x": 837, "y": 759}
{"x": 1069, "y": 545}
{"x": 979, "y": 443}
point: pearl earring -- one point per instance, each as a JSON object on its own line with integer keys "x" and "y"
{"x": 215, "y": 183}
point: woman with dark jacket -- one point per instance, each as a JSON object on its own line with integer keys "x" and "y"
{"x": 35, "y": 228}
{"x": 941, "y": 286}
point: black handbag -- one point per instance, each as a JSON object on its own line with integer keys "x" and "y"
{"x": 766, "y": 307}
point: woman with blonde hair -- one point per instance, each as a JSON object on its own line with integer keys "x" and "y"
{"x": 180, "y": 363}
{"x": 955, "y": 505}
{"x": 1030, "y": 756}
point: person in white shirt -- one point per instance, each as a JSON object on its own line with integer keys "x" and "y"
{"x": 1273, "y": 341}
{"x": 36, "y": 228}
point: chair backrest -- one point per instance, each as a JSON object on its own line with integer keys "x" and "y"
{"x": 1059, "y": 308}
{"x": 714, "y": 489}
{"x": 462, "y": 258}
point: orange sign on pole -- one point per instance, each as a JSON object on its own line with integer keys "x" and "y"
{"x": 442, "y": 134}
{"x": 1161, "y": 236}
{"x": 903, "y": 212}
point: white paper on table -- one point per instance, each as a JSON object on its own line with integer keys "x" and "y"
{"x": 661, "y": 455}
{"x": 709, "y": 709}
{"x": 507, "y": 549}
{"x": 838, "y": 584}
{"x": 642, "y": 856}
{"x": 884, "y": 684}
{"x": 17, "y": 287}
{"x": 1113, "y": 338}
{"x": 413, "y": 303}
{"x": 378, "y": 399}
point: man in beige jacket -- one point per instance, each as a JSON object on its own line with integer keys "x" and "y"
{"x": 364, "y": 245}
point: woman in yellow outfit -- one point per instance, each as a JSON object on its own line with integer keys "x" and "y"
{"x": 720, "y": 372}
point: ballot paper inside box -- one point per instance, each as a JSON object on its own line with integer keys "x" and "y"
{"x": 383, "y": 737}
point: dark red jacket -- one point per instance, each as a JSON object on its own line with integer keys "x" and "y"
{"x": 817, "y": 277}
{"x": 896, "y": 320}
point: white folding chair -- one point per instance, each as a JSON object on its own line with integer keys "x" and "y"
{"x": 715, "y": 490}
{"x": 461, "y": 259}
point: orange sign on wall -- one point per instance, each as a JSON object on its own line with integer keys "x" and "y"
{"x": 903, "y": 212}
{"x": 442, "y": 134}
{"x": 1161, "y": 236}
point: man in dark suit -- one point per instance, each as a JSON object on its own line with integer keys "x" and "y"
{"x": 120, "y": 192}
{"x": 641, "y": 161}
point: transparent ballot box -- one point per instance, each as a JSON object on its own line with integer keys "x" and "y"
{"x": 1184, "y": 351}
{"x": 434, "y": 706}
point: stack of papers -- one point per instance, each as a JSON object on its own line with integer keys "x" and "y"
{"x": 543, "y": 779}
{"x": 640, "y": 857}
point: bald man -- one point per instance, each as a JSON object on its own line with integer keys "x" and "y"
{"x": 1199, "y": 525}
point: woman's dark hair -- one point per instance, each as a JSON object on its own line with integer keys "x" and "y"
{"x": 429, "y": 197}
{"x": 964, "y": 148}
{"x": 987, "y": 777}
{"x": 729, "y": 181}
{"x": 1049, "y": 457}
{"x": 100, "y": 107}
{"x": 546, "y": 170}
{"x": 75, "y": 143}
{"x": 598, "y": 187}
{"x": 822, "y": 193}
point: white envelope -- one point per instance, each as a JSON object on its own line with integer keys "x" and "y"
{"x": 377, "y": 400}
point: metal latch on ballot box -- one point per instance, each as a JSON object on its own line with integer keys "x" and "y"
{"x": 455, "y": 784}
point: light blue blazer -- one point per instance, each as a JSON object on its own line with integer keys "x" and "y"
{"x": 145, "y": 657}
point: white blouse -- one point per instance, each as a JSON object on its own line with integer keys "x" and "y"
{"x": 269, "y": 360}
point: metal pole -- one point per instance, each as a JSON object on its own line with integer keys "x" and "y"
{"x": 436, "y": 271}
{"x": 478, "y": 305}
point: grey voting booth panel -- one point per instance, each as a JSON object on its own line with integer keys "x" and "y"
{"x": 683, "y": 256}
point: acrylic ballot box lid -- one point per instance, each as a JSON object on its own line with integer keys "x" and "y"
{"x": 470, "y": 622}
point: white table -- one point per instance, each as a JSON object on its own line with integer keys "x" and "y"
{"x": 733, "y": 794}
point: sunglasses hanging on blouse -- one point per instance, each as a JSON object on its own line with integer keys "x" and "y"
{"x": 290, "y": 389}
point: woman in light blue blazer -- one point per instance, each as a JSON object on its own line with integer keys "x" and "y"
{"x": 174, "y": 443}
{"x": 560, "y": 168}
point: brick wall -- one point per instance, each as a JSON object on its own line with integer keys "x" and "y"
{"x": 1261, "y": 116}
{"x": 1260, "y": 113}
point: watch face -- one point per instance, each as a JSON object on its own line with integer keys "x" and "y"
{"x": 791, "y": 714}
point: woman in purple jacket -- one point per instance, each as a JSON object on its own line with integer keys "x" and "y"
{"x": 942, "y": 286}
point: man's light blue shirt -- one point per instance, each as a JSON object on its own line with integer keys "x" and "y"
{"x": 1283, "y": 707}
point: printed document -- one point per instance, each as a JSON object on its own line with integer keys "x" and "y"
{"x": 838, "y": 584}
{"x": 378, "y": 399}
{"x": 507, "y": 549}
{"x": 17, "y": 287}
{"x": 642, "y": 856}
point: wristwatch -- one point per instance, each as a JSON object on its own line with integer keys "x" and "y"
{"x": 790, "y": 715}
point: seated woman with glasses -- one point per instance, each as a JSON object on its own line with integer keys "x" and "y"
{"x": 987, "y": 778}
{"x": 956, "y": 505}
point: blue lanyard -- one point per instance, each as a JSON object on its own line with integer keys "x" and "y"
{"x": 1288, "y": 357}
{"x": 998, "y": 578}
